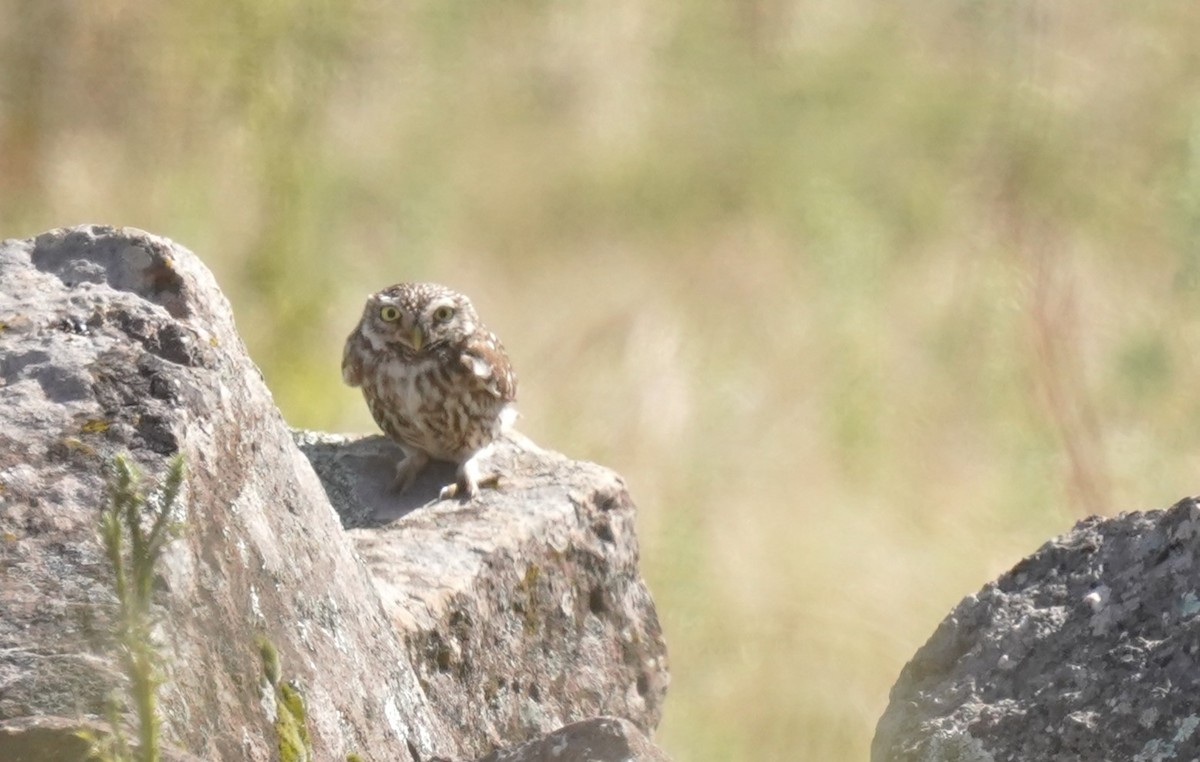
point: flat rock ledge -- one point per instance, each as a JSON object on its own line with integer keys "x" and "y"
{"x": 521, "y": 610}
{"x": 1087, "y": 650}
{"x": 415, "y": 629}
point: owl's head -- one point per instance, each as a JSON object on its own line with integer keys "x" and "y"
{"x": 418, "y": 317}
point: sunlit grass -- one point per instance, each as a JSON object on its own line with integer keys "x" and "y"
{"x": 865, "y": 304}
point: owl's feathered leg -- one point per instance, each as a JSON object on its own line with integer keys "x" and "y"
{"x": 408, "y": 469}
{"x": 471, "y": 476}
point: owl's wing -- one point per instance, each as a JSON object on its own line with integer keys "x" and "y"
{"x": 486, "y": 360}
{"x": 352, "y": 364}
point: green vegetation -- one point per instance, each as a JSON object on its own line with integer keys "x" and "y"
{"x": 864, "y": 301}
{"x": 291, "y": 714}
{"x": 134, "y": 540}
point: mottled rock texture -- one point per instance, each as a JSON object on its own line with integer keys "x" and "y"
{"x": 472, "y": 626}
{"x": 1087, "y": 650}
{"x": 115, "y": 341}
{"x": 521, "y": 610}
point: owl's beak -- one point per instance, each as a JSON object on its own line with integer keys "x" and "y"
{"x": 415, "y": 339}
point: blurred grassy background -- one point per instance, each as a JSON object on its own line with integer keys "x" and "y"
{"x": 864, "y": 300}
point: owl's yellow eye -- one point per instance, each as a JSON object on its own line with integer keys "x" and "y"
{"x": 389, "y": 313}
{"x": 442, "y": 314}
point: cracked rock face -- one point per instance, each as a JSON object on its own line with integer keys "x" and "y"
{"x": 1089, "y": 649}
{"x": 120, "y": 341}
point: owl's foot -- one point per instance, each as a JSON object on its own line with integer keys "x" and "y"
{"x": 470, "y": 477}
{"x": 408, "y": 469}
{"x": 468, "y": 489}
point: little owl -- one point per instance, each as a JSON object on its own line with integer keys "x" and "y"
{"x": 436, "y": 379}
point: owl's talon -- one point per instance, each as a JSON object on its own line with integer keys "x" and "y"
{"x": 400, "y": 484}
{"x": 467, "y": 488}
{"x": 407, "y": 471}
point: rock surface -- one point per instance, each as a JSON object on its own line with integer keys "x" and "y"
{"x": 488, "y": 623}
{"x": 1089, "y": 649}
{"x": 601, "y": 739}
{"x": 117, "y": 340}
{"x": 521, "y": 610}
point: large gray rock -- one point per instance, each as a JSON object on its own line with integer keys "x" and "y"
{"x": 1089, "y": 649}
{"x": 471, "y": 626}
{"x": 117, "y": 340}
{"x": 522, "y": 610}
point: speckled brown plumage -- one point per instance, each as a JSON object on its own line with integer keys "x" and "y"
{"x": 436, "y": 379}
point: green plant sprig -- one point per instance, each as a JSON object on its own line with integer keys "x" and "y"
{"x": 122, "y": 525}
